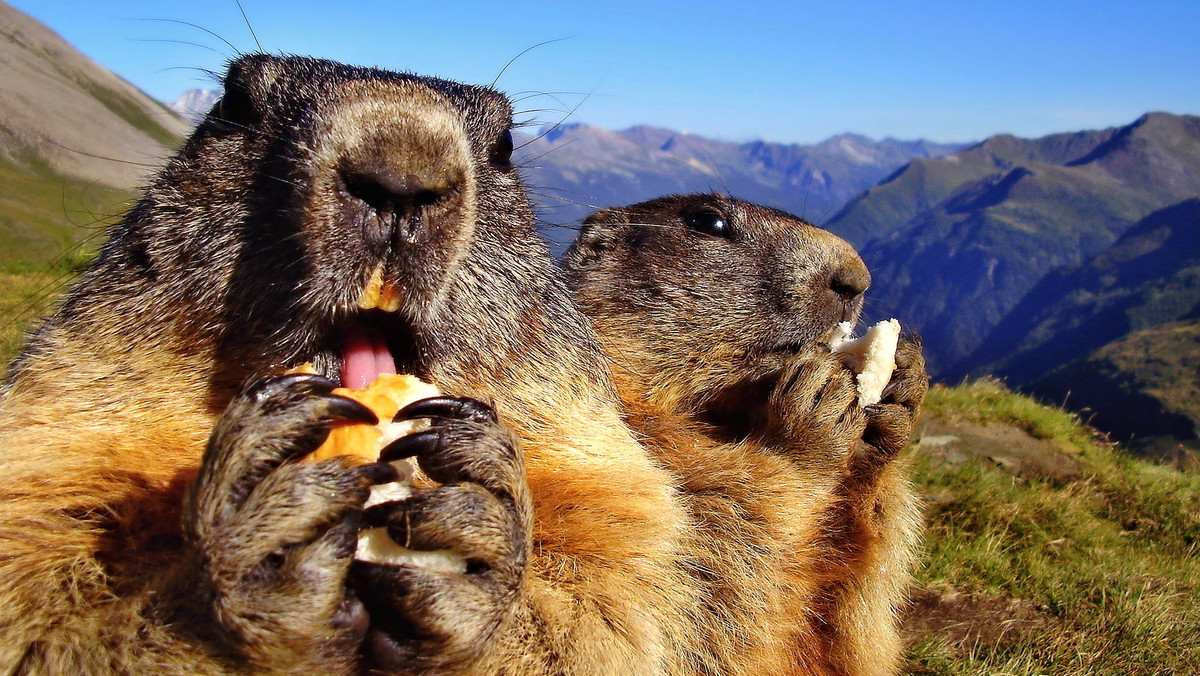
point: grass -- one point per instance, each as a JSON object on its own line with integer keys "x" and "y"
{"x": 49, "y": 228}
{"x": 1104, "y": 566}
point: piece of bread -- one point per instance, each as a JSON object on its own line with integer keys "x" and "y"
{"x": 872, "y": 357}
{"x": 388, "y": 394}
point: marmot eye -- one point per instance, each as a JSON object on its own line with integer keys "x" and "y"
{"x": 708, "y": 223}
{"x": 236, "y": 106}
{"x": 501, "y": 153}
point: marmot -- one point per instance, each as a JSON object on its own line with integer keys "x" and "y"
{"x": 152, "y": 519}
{"x": 713, "y": 312}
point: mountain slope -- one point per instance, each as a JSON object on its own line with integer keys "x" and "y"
{"x": 1143, "y": 389}
{"x": 62, "y": 109}
{"x": 74, "y": 140}
{"x": 574, "y": 169}
{"x": 1150, "y": 276}
{"x": 955, "y": 243}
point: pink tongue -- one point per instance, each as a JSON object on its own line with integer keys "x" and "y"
{"x": 364, "y": 357}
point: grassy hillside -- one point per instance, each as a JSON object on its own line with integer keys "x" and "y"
{"x": 49, "y": 226}
{"x": 1144, "y": 388}
{"x": 71, "y": 114}
{"x": 1049, "y": 551}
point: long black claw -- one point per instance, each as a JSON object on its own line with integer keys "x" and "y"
{"x": 345, "y": 408}
{"x": 269, "y": 388}
{"x": 378, "y": 473}
{"x": 378, "y": 516}
{"x": 411, "y": 444}
{"x": 463, "y": 408}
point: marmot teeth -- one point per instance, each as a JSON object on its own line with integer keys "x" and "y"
{"x": 379, "y": 295}
{"x": 872, "y": 357}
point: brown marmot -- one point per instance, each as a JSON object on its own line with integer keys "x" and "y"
{"x": 152, "y": 517}
{"x": 712, "y": 312}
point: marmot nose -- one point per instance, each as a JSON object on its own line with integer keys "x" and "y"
{"x": 397, "y": 199}
{"x": 402, "y": 170}
{"x": 850, "y": 280}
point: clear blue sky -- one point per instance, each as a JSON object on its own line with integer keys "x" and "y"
{"x": 950, "y": 70}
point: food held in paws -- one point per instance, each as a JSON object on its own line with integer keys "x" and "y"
{"x": 386, "y": 395}
{"x": 872, "y": 357}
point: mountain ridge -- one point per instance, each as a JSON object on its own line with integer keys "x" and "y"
{"x": 955, "y": 242}
{"x": 576, "y": 168}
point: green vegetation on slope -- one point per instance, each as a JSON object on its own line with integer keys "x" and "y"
{"x": 43, "y": 214}
{"x": 1095, "y": 572}
{"x": 49, "y": 228}
{"x": 1144, "y": 388}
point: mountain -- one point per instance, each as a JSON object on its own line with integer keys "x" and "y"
{"x": 1149, "y": 276}
{"x": 573, "y": 169}
{"x": 195, "y": 103}
{"x": 1117, "y": 336}
{"x": 62, "y": 109}
{"x": 956, "y": 242}
{"x": 74, "y": 140}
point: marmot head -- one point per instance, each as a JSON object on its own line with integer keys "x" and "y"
{"x": 327, "y": 213}
{"x": 699, "y": 294}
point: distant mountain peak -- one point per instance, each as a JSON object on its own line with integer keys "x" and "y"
{"x": 578, "y": 168}
{"x": 194, "y": 104}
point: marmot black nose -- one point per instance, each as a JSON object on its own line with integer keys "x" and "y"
{"x": 850, "y": 280}
{"x": 395, "y": 200}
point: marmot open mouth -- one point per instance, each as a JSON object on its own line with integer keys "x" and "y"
{"x": 366, "y": 346}
{"x": 365, "y": 357}
{"x": 370, "y": 343}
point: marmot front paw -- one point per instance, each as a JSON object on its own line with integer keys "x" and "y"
{"x": 890, "y": 423}
{"x": 462, "y": 546}
{"x": 269, "y": 541}
{"x": 814, "y": 406}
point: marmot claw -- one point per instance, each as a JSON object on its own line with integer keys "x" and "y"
{"x": 448, "y": 407}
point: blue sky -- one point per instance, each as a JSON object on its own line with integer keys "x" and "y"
{"x": 789, "y": 72}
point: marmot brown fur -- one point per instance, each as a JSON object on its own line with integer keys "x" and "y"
{"x": 713, "y": 312}
{"x": 152, "y": 519}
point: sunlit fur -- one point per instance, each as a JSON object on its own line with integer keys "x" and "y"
{"x": 806, "y": 524}
{"x": 235, "y": 266}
